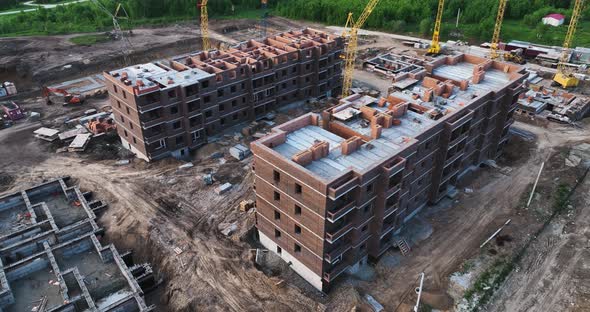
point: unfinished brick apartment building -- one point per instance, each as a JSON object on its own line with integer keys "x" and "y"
{"x": 167, "y": 108}
{"x": 333, "y": 189}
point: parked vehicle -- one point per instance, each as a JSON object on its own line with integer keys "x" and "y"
{"x": 11, "y": 111}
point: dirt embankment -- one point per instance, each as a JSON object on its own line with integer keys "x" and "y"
{"x": 35, "y": 61}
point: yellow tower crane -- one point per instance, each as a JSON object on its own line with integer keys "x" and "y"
{"x": 565, "y": 76}
{"x": 350, "y": 50}
{"x": 202, "y": 5}
{"x": 435, "y": 45}
{"x": 497, "y": 29}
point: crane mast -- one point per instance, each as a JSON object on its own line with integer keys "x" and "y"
{"x": 350, "y": 50}
{"x": 117, "y": 32}
{"x": 264, "y": 20}
{"x": 435, "y": 45}
{"x": 497, "y": 29}
{"x": 202, "y": 5}
{"x": 565, "y": 76}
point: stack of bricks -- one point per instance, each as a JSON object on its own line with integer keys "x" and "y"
{"x": 351, "y": 145}
{"x": 478, "y": 74}
{"x": 317, "y": 151}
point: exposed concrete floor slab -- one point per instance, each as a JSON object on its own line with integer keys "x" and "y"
{"x": 30, "y": 290}
{"x": 100, "y": 278}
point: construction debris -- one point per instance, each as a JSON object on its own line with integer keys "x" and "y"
{"x": 223, "y": 188}
{"x": 34, "y": 116}
{"x": 227, "y": 229}
{"x": 80, "y": 142}
{"x": 186, "y": 166}
{"x": 71, "y": 134}
{"x": 246, "y": 205}
{"x": 495, "y": 233}
{"x": 46, "y": 134}
{"x": 376, "y": 306}
{"x": 239, "y": 152}
{"x": 208, "y": 179}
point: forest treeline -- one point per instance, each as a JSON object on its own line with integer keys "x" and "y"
{"x": 413, "y": 16}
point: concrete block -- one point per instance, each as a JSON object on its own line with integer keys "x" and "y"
{"x": 223, "y": 188}
{"x": 239, "y": 151}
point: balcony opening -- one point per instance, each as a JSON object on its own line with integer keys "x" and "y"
{"x": 370, "y": 189}
{"x": 395, "y": 179}
{"x": 279, "y": 250}
{"x": 391, "y": 201}
{"x": 297, "y": 248}
{"x": 192, "y": 90}
{"x": 297, "y": 210}
{"x": 368, "y": 209}
{"x": 277, "y": 196}
{"x": 276, "y": 176}
{"x": 297, "y": 229}
{"x": 277, "y": 215}
{"x": 277, "y": 233}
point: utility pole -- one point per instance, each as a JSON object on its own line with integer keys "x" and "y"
{"x": 419, "y": 292}
{"x": 458, "y": 15}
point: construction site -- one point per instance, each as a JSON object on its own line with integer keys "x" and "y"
{"x": 280, "y": 165}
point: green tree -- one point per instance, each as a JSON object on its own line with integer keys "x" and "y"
{"x": 425, "y": 26}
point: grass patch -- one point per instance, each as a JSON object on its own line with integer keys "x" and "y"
{"x": 491, "y": 279}
{"x": 561, "y": 197}
{"x": 518, "y": 30}
{"x": 467, "y": 266}
{"x": 488, "y": 282}
{"x": 16, "y": 7}
{"x": 240, "y": 14}
{"x": 88, "y": 40}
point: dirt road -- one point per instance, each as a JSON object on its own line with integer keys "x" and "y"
{"x": 554, "y": 274}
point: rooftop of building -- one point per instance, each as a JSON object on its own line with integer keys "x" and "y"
{"x": 362, "y": 132}
{"x": 539, "y": 98}
{"x": 188, "y": 69}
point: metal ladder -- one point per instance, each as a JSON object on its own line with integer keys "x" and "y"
{"x": 403, "y": 246}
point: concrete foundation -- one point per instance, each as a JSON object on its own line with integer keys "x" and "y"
{"x": 51, "y": 256}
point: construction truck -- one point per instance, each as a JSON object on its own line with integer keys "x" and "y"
{"x": 515, "y": 56}
{"x": 54, "y": 95}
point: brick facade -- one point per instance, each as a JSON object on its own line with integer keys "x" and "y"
{"x": 331, "y": 213}
{"x": 168, "y": 108}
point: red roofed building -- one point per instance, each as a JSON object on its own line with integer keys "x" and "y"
{"x": 554, "y": 19}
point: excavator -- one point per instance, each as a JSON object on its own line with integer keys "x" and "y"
{"x": 55, "y": 95}
{"x": 515, "y": 56}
